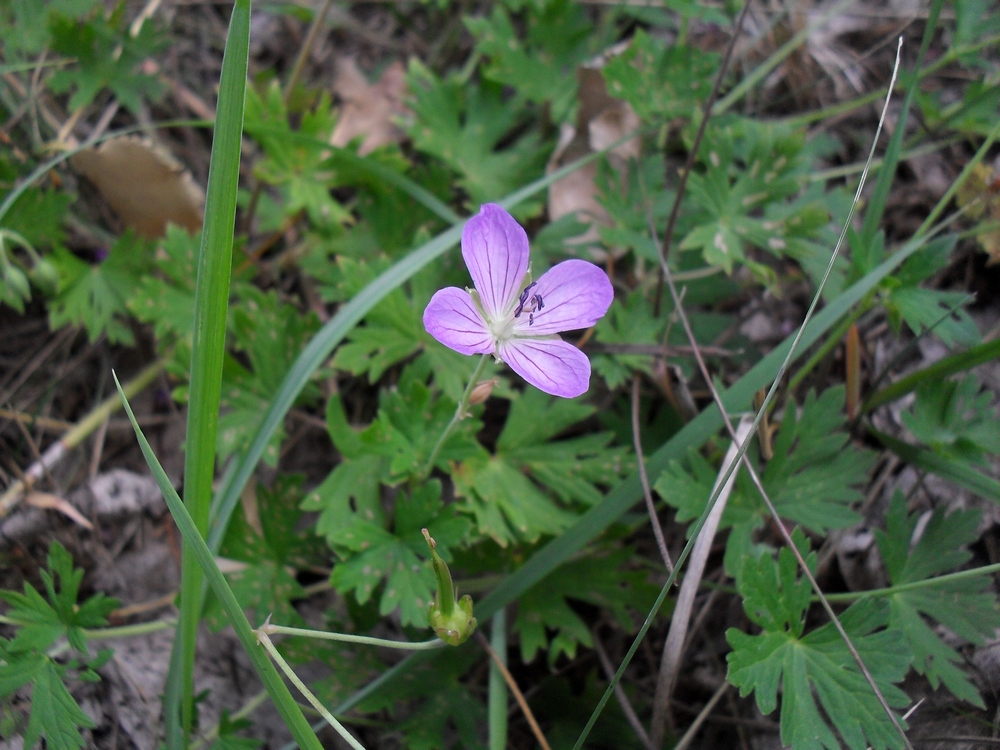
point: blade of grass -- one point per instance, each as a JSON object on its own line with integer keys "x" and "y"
{"x": 954, "y": 471}
{"x": 211, "y": 302}
{"x": 971, "y": 357}
{"x": 283, "y": 701}
{"x": 497, "y": 711}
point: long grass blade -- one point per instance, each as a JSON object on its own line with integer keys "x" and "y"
{"x": 211, "y": 301}
{"x": 276, "y": 688}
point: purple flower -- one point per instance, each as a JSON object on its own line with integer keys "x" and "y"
{"x": 517, "y": 319}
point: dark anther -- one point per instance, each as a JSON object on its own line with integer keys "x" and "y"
{"x": 531, "y": 319}
{"x": 524, "y": 299}
{"x": 538, "y": 302}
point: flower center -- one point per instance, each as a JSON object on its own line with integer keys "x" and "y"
{"x": 529, "y": 303}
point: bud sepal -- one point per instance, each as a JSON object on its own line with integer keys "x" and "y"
{"x": 451, "y": 620}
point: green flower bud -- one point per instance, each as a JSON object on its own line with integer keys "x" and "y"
{"x": 451, "y": 620}
{"x": 17, "y": 281}
{"x": 45, "y": 276}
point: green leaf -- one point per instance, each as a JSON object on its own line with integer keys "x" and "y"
{"x": 228, "y": 740}
{"x": 600, "y": 579}
{"x": 43, "y": 620}
{"x": 818, "y": 665}
{"x": 95, "y": 295}
{"x": 167, "y": 300}
{"x": 392, "y": 331}
{"x": 295, "y": 163}
{"x": 38, "y": 216}
{"x": 463, "y": 125}
{"x": 813, "y": 479}
{"x": 271, "y": 333}
{"x": 409, "y": 422}
{"x": 956, "y": 419}
{"x": 541, "y": 67}
{"x": 749, "y": 168}
{"x": 375, "y": 554}
{"x": 107, "y": 56}
{"x": 966, "y": 607}
{"x": 631, "y": 322}
{"x": 24, "y": 23}
{"x": 55, "y": 715}
{"x": 505, "y": 492}
{"x": 661, "y": 82}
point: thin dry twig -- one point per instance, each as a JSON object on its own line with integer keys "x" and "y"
{"x": 42, "y": 423}
{"x": 706, "y": 114}
{"x": 692, "y": 730}
{"x": 647, "y": 493}
{"x": 518, "y": 695}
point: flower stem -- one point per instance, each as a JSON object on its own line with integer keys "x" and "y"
{"x": 268, "y": 628}
{"x": 460, "y": 414}
{"x": 306, "y": 692}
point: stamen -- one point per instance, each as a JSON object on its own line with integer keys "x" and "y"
{"x": 538, "y": 302}
{"x": 531, "y": 319}
{"x": 524, "y": 299}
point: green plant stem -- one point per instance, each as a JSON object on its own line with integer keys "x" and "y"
{"x": 364, "y": 640}
{"x": 128, "y": 631}
{"x": 962, "y": 575}
{"x": 305, "y": 51}
{"x": 497, "y": 706}
{"x": 461, "y": 412}
{"x": 313, "y": 700}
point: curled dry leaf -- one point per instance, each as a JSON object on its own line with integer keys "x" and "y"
{"x": 601, "y": 121}
{"x": 45, "y": 501}
{"x": 144, "y": 185}
{"x": 369, "y": 110}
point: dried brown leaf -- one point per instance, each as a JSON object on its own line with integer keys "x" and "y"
{"x": 367, "y": 109}
{"x": 601, "y": 121}
{"x": 144, "y": 185}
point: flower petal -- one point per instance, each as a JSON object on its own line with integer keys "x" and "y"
{"x": 575, "y": 294}
{"x": 495, "y": 248}
{"x": 551, "y": 365}
{"x": 453, "y": 319}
